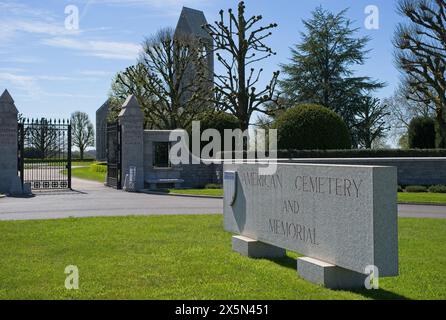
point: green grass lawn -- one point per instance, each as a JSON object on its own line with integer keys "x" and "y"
{"x": 429, "y": 198}
{"x": 200, "y": 192}
{"x": 423, "y": 197}
{"x": 82, "y": 163}
{"x": 402, "y": 196}
{"x": 88, "y": 173}
{"x": 187, "y": 257}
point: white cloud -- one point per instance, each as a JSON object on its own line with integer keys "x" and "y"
{"x": 21, "y": 9}
{"x": 20, "y": 59}
{"x": 21, "y": 18}
{"x": 29, "y": 85}
{"x": 21, "y": 82}
{"x": 102, "y": 49}
{"x": 96, "y": 73}
{"x": 163, "y": 7}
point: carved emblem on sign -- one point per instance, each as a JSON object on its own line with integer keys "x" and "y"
{"x": 230, "y": 186}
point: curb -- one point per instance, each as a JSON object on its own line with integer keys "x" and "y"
{"x": 423, "y": 204}
{"x": 2, "y": 196}
{"x": 221, "y": 197}
{"x": 181, "y": 195}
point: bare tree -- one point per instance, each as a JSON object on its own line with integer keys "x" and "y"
{"x": 122, "y": 86}
{"x": 43, "y": 139}
{"x": 402, "y": 110}
{"x": 239, "y": 44}
{"x": 371, "y": 124}
{"x": 82, "y": 132}
{"x": 421, "y": 54}
{"x": 162, "y": 81}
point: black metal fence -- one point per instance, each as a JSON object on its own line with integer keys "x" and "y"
{"x": 114, "y": 155}
{"x": 45, "y": 153}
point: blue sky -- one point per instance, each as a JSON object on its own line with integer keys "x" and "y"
{"x": 51, "y": 71}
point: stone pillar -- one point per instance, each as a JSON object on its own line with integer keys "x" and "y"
{"x": 131, "y": 119}
{"x": 9, "y": 181}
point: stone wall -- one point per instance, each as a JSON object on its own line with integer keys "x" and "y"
{"x": 199, "y": 175}
{"x": 150, "y": 172}
{"x": 193, "y": 175}
{"x": 411, "y": 171}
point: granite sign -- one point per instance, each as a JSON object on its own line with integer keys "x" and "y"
{"x": 343, "y": 216}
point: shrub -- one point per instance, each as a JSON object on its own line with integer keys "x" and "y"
{"x": 422, "y": 133}
{"x": 310, "y": 126}
{"x": 217, "y": 120}
{"x": 437, "y": 189}
{"x": 214, "y": 186}
{"x": 412, "y": 189}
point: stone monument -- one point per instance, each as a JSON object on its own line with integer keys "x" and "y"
{"x": 9, "y": 181}
{"x": 131, "y": 119}
{"x": 342, "y": 218}
{"x": 101, "y": 131}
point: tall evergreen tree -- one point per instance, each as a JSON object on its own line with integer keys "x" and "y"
{"x": 321, "y": 67}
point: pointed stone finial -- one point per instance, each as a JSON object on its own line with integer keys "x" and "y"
{"x": 6, "y": 97}
{"x": 131, "y": 107}
{"x": 7, "y": 103}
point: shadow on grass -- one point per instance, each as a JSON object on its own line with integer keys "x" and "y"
{"x": 287, "y": 262}
{"x": 378, "y": 294}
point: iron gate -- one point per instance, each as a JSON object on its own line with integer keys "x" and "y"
{"x": 114, "y": 155}
{"x": 45, "y": 153}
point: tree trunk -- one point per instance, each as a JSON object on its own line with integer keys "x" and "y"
{"x": 81, "y": 153}
{"x": 440, "y": 141}
{"x": 241, "y": 60}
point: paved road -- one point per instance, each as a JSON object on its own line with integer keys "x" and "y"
{"x": 93, "y": 199}
{"x": 421, "y": 211}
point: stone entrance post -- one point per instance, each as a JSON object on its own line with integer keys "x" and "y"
{"x": 9, "y": 181}
{"x": 131, "y": 119}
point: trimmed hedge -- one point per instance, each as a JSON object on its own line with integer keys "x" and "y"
{"x": 412, "y": 189}
{"x": 218, "y": 120}
{"x": 422, "y": 133}
{"x": 363, "y": 153}
{"x": 213, "y": 186}
{"x": 311, "y": 126}
{"x": 437, "y": 189}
